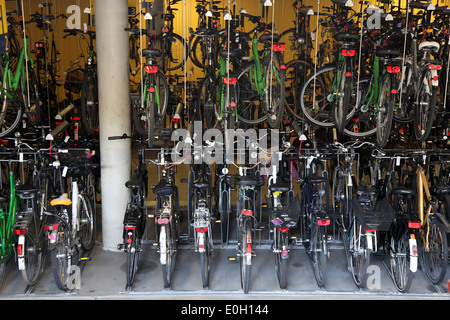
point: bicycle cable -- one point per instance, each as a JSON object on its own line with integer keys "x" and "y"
{"x": 404, "y": 52}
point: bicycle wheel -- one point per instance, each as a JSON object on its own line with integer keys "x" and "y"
{"x": 89, "y": 102}
{"x": 358, "y": 255}
{"x": 425, "y": 107}
{"x": 386, "y": 111}
{"x": 133, "y": 250}
{"x": 86, "y": 214}
{"x": 34, "y": 251}
{"x": 29, "y": 89}
{"x": 205, "y": 256}
{"x": 224, "y": 213}
{"x": 152, "y": 112}
{"x": 318, "y": 253}
{"x": 246, "y": 254}
{"x": 274, "y": 92}
{"x": 341, "y": 197}
{"x": 435, "y": 257}
{"x": 400, "y": 261}
{"x": 206, "y": 102}
{"x": 167, "y": 244}
{"x": 317, "y": 96}
{"x": 175, "y": 51}
{"x": 280, "y": 246}
{"x": 296, "y": 73}
{"x": 249, "y": 109}
{"x": 344, "y": 93}
{"x": 60, "y": 257}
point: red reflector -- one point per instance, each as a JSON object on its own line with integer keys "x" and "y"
{"x": 228, "y": 80}
{"x": 20, "y": 249}
{"x": 438, "y": 67}
{"x": 76, "y": 118}
{"x": 371, "y": 230}
{"x": 348, "y": 74}
{"x": 249, "y": 248}
{"x": 414, "y": 225}
{"x": 19, "y": 232}
{"x": 431, "y": 67}
{"x": 201, "y": 230}
{"x": 151, "y": 69}
{"x": 130, "y": 228}
{"x": 175, "y": 119}
{"x": 394, "y": 91}
{"x": 163, "y": 221}
{"x": 348, "y": 52}
{"x": 279, "y": 47}
{"x": 152, "y": 90}
{"x": 129, "y": 240}
{"x": 283, "y": 67}
{"x": 323, "y": 222}
{"x": 51, "y": 227}
{"x": 247, "y": 212}
{"x": 284, "y": 252}
{"x": 200, "y": 246}
{"x": 393, "y": 69}
{"x": 435, "y": 78}
{"x": 283, "y": 229}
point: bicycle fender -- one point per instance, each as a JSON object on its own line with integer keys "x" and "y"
{"x": 413, "y": 254}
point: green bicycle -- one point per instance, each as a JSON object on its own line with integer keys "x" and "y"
{"x": 8, "y": 211}
{"x": 262, "y": 80}
{"x": 19, "y": 92}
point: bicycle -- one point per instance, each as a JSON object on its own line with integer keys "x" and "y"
{"x": 315, "y": 212}
{"x": 89, "y": 86}
{"x": 134, "y": 221}
{"x": 200, "y": 213}
{"x": 284, "y": 210}
{"x": 150, "y": 109}
{"x": 262, "y": 78}
{"x": 167, "y": 216}
{"x": 19, "y": 91}
{"x": 71, "y": 228}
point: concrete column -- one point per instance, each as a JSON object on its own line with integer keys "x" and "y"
{"x": 114, "y": 98}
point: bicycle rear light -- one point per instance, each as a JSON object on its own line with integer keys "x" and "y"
{"x": 323, "y": 222}
{"x": 228, "y": 80}
{"x": 348, "y": 52}
{"x": 151, "y": 69}
{"x": 201, "y": 230}
{"x": 393, "y": 69}
{"x": 279, "y": 47}
{"x": 438, "y": 67}
{"x": 163, "y": 221}
{"x": 247, "y": 212}
{"x": 414, "y": 225}
{"x": 19, "y": 232}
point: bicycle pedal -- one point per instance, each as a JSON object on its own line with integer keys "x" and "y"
{"x": 85, "y": 259}
{"x": 232, "y": 258}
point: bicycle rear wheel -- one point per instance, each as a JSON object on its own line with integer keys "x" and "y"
{"x": 281, "y": 244}
{"x": 385, "y": 112}
{"x": 317, "y": 251}
{"x": 246, "y": 254}
{"x": 168, "y": 253}
{"x": 425, "y": 107}
{"x": 400, "y": 261}
{"x": 87, "y": 218}
{"x": 60, "y": 257}
{"x": 34, "y": 249}
{"x": 359, "y": 255}
{"x": 29, "y": 89}
{"x": 435, "y": 258}
{"x": 273, "y": 100}
{"x": 89, "y": 102}
{"x": 344, "y": 93}
{"x": 10, "y": 111}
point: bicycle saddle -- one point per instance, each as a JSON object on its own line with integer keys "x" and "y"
{"x": 403, "y": 191}
{"x": 279, "y": 186}
{"x": 163, "y": 189}
{"x": 134, "y": 183}
{"x": 316, "y": 180}
{"x": 429, "y": 46}
{"x": 153, "y": 52}
{"x": 247, "y": 181}
{"x": 387, "y": 52}
{"x": 268, "y": 37}
{"x": 26, "y": 189}
{"x": 201, "y": 183}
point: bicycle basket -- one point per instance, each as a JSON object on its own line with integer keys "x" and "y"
{"x": 286, "y": 216}
{"x": 379, "y": 218}
{"x": 74, "y": 80}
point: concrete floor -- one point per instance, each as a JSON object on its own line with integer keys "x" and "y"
{"x": 104, "y": 276}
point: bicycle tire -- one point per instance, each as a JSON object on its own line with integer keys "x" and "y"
{"x": 341, "y": 197}
{"x": 318, "y": 84}
{"x": 246, "y": 258}
{"x": 274, "y": 95}
{"x": 400, "y": 260}
{"x": 247, "y": 111}
{"x": 294, "y": 82}
{"x": 172, "y": 44}
{"x": 359, "y": 257}
{"x": 385, "y": 112}
{"x": 205, "y": 261}
{"x": 87, "y": 222}
{"x": 280, "y": 259}
{"x": 89, "y": 102}
{"x": 10, "y": 111}
{"x": 424, "y": 116}
{"x": 317, "y": 252}
{"x": 30, "y": 95}
{"x": 435, "y": 259}
{"x": 60, "y": 256}
{"x": 207, "y": 94}
{"x": 132, "y": 260}
{"x": 341, "y": 108}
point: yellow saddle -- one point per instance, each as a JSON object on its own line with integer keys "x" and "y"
{"x": 62, "y": 201}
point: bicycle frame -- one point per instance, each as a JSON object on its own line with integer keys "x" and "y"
{"x": 7, "y": 237}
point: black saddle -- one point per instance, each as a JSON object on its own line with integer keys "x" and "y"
{"x": 268, "y": 37}
{"x": 163, "y": 188}
{"x": 153, "y": 52}
{"x": 279, "y": 186}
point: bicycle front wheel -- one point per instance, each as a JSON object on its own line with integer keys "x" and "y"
{"x": 281, "y": 246}
{"x": 246, "y": 255}
{"x": 60, "y": 257}
{"x": 400, "y": 262}
{"x": 274, "y": 92}
{"x": 435, "y": 257}
{"x": 359, "y": 255}
{"x": 10, "y": 111}
{"x": 385, "y": 112}
{"x": 425, "y": 107}
{"x": 89, "y": 102}
{"x": 87, "y": 218}
{"x": 318, "y": 253}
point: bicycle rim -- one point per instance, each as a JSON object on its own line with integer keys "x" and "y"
{"x": 400, "y": 262}
{"x": 436, "y": 257}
